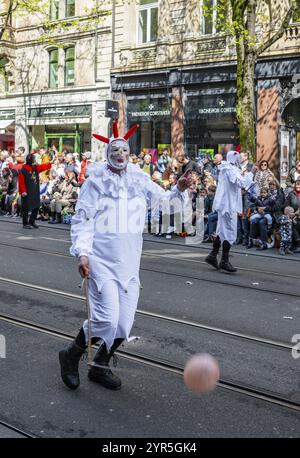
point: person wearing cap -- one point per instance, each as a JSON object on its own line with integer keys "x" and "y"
{"x": 29, "y": 189}
{"x": 106, "y": 235}
{"x": 86, "y": 160}
{"x": 228, "y": 203}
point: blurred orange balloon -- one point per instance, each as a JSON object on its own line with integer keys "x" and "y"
{"x": 201, "y": 373}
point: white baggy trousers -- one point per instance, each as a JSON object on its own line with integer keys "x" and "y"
{"x": 112, "y": 311}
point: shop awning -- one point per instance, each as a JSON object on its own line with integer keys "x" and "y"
{"x": 4, "y": 124}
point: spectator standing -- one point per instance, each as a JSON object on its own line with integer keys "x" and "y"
{"x": 86, "y": 160}
{"x": 186, "y": 163}
{"x": 293, "y": 176}
{"x": 293, "y": 200}
{"x": 286, "y": 231}
{"x": 148, "y": 167}
{"x": 163, "y": 161}
{"x": 30, "y": 190}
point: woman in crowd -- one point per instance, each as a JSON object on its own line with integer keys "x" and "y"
{"x": 263, "y": 174}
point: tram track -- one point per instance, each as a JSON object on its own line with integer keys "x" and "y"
{"x": 187, "y": 277}
{"x": 206, "y": 248}
{"x": 17, "y": 430}
{"x": 144, "y": 313}
{"x": 159, "y": 256}
{"x": 259, "y": 394}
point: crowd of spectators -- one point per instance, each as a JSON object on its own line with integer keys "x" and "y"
{"x": 271, "y": 214}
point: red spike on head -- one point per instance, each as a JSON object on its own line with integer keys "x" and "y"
{"x": 101, "y": 138}
{"x": 131, "y": 131}
{"x": 115, "y": 129}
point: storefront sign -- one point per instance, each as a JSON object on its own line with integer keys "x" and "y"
{"x": 7, "y": 114}
{"x": 211, "y": 105}
{"x": 65, "y": 112}
{"x": 111, "y": 109}
{"x": 147, "y": 109}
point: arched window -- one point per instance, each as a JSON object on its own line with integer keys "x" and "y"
{"x": 148, "y": 21}
{"x": 53, "y": 68}
{"x": 70, "y": 66}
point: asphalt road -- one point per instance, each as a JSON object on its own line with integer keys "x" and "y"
{"x": 262, "y": 300}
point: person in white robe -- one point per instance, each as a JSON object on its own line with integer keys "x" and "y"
{"x": 227, "y": 204}
{"x": 107, "y": 239}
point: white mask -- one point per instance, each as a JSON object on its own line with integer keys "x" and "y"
{"x": 118, "y": 154}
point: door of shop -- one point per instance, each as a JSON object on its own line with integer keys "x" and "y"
{"x": 68, "y": 142}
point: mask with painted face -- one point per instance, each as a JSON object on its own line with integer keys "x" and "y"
{"x": 234, "y": 158}
{"x": 117, "y": 150}
{"x": 118, "y": 154}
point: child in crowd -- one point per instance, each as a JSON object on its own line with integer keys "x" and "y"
{"x": 262, "y": 207}
{"x": 286, "y": 231}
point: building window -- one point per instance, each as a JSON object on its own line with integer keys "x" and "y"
{"x": 4, "y": 85}
{"x": 54, "y": 10}
{"x": 209, "y": 13}
{"x": 70, "y": 66}
{"x": 70, "y": 8}
{"x": 53, "y": 68}
{"x": 148, "y": 21}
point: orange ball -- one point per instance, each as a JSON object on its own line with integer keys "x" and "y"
{"x": 201, "y": 373}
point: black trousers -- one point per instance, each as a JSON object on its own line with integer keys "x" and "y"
{"x": 32, "y": 218}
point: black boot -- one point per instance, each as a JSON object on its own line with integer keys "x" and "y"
{"x": 105, "y": 377}
{"x": 212, "y": 257}
{"x": 69, "y": 361}
{"x": 225, "y": 263}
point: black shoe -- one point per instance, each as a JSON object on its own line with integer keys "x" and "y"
{"x": 69, "y": 362}
{"x": 35, "y": 226}
{"x": 226, "y": 265}
{"x": 26, "y": 226}
{"x": 101, "y": 375}
{"x": 250, "y": 244}
{"x": 207, "y": 239}
{"x": 212, "y": 260}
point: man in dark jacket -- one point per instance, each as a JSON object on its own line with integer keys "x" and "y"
{"x": 29, "y": 188}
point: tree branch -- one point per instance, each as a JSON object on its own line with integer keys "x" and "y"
{"x": 7, "y": 18}
{"x": 284, "y": 25}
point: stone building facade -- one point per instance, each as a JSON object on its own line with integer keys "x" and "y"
{"x": 53, "y": 92}
{"x": 176, "y": 76}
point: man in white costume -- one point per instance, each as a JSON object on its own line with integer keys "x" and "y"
{"x": 228, "y": 203}
{"x": 106, "y": 236}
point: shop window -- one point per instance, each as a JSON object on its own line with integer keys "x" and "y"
{"x": 54, "y": 10}
{"x": 148, "y": 21}
{"x": 70, "y": 66}
{"x": 210, "y": 13}
{"x": 53, "y": 68}
{"x": 70, "y": 8}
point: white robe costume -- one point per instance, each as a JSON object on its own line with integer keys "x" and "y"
{"x": 108, "y": 227}
{"x": 228, "y": 199}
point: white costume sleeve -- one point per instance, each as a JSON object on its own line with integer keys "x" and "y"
{"x": 82, "y": 228}
{"x": 157, "y": 195}
{"x": 235, "y": 177}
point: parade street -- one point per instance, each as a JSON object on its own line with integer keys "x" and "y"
{"x": 247, "y": 321}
